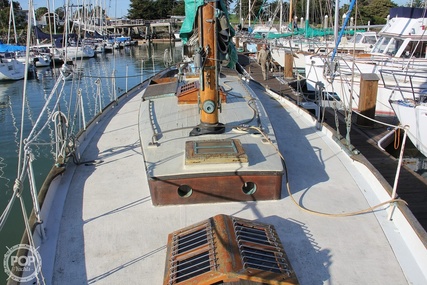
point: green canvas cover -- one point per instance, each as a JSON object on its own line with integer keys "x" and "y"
{"x": 309, "y": 33}
{"x": 190, "y": 17}
{"x": 187, "y": 27}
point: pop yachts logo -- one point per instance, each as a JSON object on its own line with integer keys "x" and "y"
{"x": 22, "y": 263}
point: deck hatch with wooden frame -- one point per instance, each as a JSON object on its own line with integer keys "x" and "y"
{"x": 215, "y": 151}
{"x": 260, "y": 247}
{"x": 227, "y": 249}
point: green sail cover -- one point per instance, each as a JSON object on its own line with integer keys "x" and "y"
{"x": 187, "y": 27}
{"x": 190, "y": 17}
{"x": 310, "y": 33}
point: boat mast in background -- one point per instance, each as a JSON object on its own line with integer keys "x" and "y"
{"x": 281, "y": 15}
{"x": 336, "y": 20}
{"x": 307, "y": 15}
{"x": 12, "y": 20}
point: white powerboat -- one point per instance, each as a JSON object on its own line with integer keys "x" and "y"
{"x": 11, "y": 68}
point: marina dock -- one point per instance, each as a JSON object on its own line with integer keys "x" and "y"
{"x": 411, "y": 186}
{"x": 152, "y": 30}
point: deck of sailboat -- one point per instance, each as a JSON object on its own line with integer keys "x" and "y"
{"x": 412, "y": 187}
{"x": 109, "y": 231}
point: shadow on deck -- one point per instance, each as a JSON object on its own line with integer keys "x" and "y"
{"x": 412, "y": 187}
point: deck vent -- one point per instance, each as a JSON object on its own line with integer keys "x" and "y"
{"x": 215, "y": 151}
{"x": 227, "y": 249}
{"x": 189, "y": 93}
{"x": 260, "y": 247}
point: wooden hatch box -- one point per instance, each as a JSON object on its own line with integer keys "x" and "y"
{"x": 188, "y": 93}
{"x": 226, "y": 185}
{"x": 227, "y": 249}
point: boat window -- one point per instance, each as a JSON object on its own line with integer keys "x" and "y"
{"x": 422, "y": 50}
{"x": 370, "y": 40}
{"x": 381, "y": 45}
{"x": 414, "y": 49}
{"x": 356, "y": 38}
{"x": 396, "y": 45}
{"x": 185, "y": 191}
{"x": 330, "y": 96}
{"x": 392, "y": 47}
{"x": 249, "y": 188}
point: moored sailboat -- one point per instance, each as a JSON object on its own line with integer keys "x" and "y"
{"x": 401, "y": 46}
{"x": 409, "y": 102}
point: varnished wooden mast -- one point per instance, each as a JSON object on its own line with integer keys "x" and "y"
{"x": 209, "y": 90}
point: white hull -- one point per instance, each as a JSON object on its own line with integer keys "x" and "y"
{"x": 361, "y": 42}
{"x": 278, "y": 54}
{"x": 412, "y": 115}
{"x": 75, "y": 53}
{"x": 55, "y": 54}
{"x": 415, "y": 117}
{"x": 409, "y": 102}
{"x": 402, "y": 47}
{"x": 42, "y": 61}
{"x": 11, "y": 69}
{"x": 38, "y": 60}
{"x": 346, "y": 82}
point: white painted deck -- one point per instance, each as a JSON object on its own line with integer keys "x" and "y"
{"x": 110, "y": 233}
{"x": 174, "y": 122}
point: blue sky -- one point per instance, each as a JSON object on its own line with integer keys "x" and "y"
{"x": 119, "y": 8}
{"x": 116, "y": 8}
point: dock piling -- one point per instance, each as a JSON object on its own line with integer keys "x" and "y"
{"x": 368, "y": 98}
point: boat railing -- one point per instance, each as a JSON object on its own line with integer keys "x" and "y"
{"x": 410, "y": 85}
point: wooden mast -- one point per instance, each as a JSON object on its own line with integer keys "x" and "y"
{"x": 209, "y": 91}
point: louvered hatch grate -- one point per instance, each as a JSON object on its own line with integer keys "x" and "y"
{"x": 227, "y": 249}
{"x": 260, "y": 247}
{"x": 192, "y": 253}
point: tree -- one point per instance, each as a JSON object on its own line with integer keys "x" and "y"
{"x": 179, "y": 8}
{"x": 164, "y": 8}
{"x": 40, "y": 12}
{"x": 142, "y": 9}
{"x": 255, "y": 12}
{"x": 155, "y": 9}
{"x": 60, "y": 12}
{"x": 98, "y": 12}
{"x": 20, "y": 16}
{"x": 416, "y": 4}
{"x": 380, "y": 9}
{"x": 20, "y": 20}
{"x": 373, "y": 11}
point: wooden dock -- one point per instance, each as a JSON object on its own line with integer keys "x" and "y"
{"x": 411, "y": 187}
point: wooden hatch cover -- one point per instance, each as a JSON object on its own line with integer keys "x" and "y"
{"x": 215, "y": 151}
{"x": 226, "y": 249}
{"x": 188, "y": 93}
